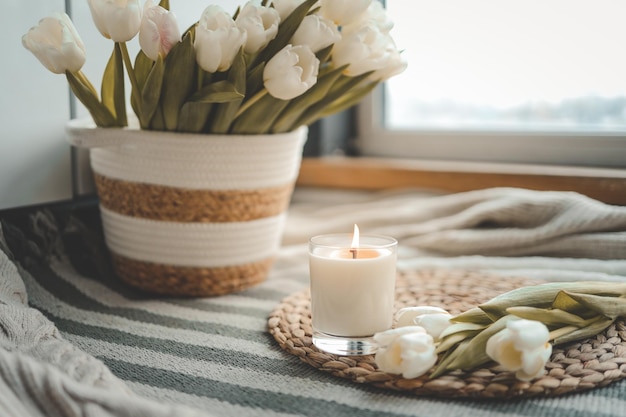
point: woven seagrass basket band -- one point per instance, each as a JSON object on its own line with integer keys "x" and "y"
{"x": 190, "y": 281}
{"x": 157, "y": 202}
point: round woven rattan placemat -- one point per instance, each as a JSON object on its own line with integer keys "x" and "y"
{"x": 579, "y": 366}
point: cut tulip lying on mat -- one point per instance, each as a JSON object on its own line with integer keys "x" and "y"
{"x": 517, "y": 329}
{"x": 522, "y": 347}
{"x": 432, "y": 319}
{"x": 407, "y": 350}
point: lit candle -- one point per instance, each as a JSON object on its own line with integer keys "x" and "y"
{"x": 352, "y": 288}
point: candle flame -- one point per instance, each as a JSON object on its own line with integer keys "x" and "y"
{"x": 355, "y": 237}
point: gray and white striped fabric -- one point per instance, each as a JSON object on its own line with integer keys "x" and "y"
{"x": 75, "y": 341}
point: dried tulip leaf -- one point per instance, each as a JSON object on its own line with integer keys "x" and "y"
{"x": 552, "y": 316}
{"x": 474, "y": 353}
{"x": 543, "y": 295}
{"x": 447, "y": 358}
{"x": 611, "y": 307}
{"x": 451, "y": 340}
{"x": 473, "y": 315}
{"x": 461, "y": 327}
{"x": 584, "y": 332}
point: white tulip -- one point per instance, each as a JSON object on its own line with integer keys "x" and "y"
{"x": 522, "y": 347}
{"x": 433, "y": 320}
{"x": 260, "y": 23}
{"x": 408, "y": 350}
{"x": 218, "y": 39}
{"x": 117, "y": 20}
{"x": 375, "y": 15}
{"x": 367, "y": 49}
{"x": 394, "y": 66}
{"x": 317, "y": 32}
{"x": 286, "y": 7}
{"x": 343, "y": 12}
{"x": 158, "y": 32}
{"x": 291, "y": 72}
{"x": 56, "y": 44}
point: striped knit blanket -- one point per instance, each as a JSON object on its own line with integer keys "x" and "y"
{"x": 74, "y": 341}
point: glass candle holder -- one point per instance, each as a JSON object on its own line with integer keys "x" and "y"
{"x": 352, "y": 291}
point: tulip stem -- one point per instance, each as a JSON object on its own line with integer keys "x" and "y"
{"x": 245, "y": 106}
{"x": 131, "y": 75}
{"x": 85, "y": 81}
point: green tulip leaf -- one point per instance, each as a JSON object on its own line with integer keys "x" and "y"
{"x": 225, "y": 112}
{"x": 348, "y": 100}
{"x": 178, "y": 80}
{"x": 342, "y": 86}
{"x": 113, "y": 96}
{"x": 324, "y": 54}
{"x": 165, "y": 4}
{"x": 193, "y": 116}
{"x": 255, "y": 80}
{"x": 218, "y": 92}
{"x": 260, "y": 117}
{"x": 143, "y": 66}
{"x": 288, "y": 118}
{"x": 86, "y": 94}
{"x": 151, "y": 93}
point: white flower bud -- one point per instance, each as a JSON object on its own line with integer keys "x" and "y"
{"x": 317, "y": 32}
{"x": 56, "y": 44}
{"x": 367, "y": 49}
{"x": 158, "y": 31}
{"x": 117, "y": 20}
{"x": 260, "y": 24}
{"x": 434, "y": 320}
{"x": 218, "y": 40}
{"x": 291, "y": 72}
{"x": 286, "y": 7}
{"x": 343, "y": 12}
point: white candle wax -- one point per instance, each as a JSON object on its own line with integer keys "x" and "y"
{"x": 352, "y": 297}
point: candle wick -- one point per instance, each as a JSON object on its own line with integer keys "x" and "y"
{"x": 354, "y": 252}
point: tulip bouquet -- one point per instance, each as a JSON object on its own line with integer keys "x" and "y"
{"x": 269, "y": 68}
{"x": 516, "y": 329}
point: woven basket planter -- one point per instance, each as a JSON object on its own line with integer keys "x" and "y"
{"x": 191, "y": 214}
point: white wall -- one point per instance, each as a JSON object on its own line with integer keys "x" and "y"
{"x": 35, "y": 160}
{"x": 35, "y": 164}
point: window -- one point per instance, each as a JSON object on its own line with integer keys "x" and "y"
{"x": 529, "y": 81}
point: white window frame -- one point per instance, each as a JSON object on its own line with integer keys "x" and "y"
{"x": 570, "y": 148}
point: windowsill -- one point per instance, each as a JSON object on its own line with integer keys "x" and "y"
{"x": 366, "y": 173}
